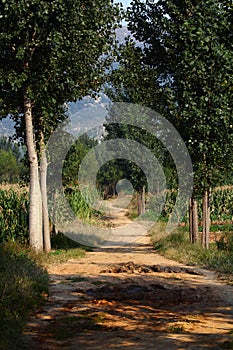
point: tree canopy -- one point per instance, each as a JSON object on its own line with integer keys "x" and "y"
{"x": 52, "y": 52}
{"x": 180, "y": 64}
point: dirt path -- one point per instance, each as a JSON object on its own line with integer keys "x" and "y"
{"x": 132, "y": 298}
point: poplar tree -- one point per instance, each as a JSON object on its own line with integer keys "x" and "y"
{"x": 51, "y": 52}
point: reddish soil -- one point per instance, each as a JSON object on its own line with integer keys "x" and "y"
{"x": 116, "y": 298}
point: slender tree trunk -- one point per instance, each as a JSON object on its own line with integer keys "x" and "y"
{"x": 206, "y": 219}
{"x": 35, "y": 209}
{"x": 141, "y": 202}
{"x": 55, "y": 231}
{"x": 193, "y": 220}
{"x": 43, "y": 186}
{"x": 190, "y": 221}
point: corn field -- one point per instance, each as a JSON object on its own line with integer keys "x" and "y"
{"x": 14, "y": 210}
{"x": 221, "y": 205}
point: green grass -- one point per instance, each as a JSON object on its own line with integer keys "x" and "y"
{"x": 227, "y": 344}
{"x": 24, "y": 283}
{"x": 59, "y": 256}
{"x": 175, "y": 329}
{"x": 176, "y": 246}
{"x": 63, "y": 249}
{"x": 68, "y": 326}
{"x": 23, "y": 287}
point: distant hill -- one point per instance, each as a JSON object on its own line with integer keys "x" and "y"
{"x": 7, "y": 127}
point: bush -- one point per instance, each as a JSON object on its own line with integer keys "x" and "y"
{"x": 23, "y": 286}
{"x": 14, "y": 216}
{"x": 178, "y": 247}
{"x": 82, "y": 203}
{"x": 226, "y": 242}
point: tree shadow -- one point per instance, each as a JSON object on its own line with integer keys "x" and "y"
{"x": 143, "y": 311}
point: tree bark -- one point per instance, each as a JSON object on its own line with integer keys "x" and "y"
{"x": 206, "y": 219}
{"x": 193, "y": 220}
{"x": 35, "y": 208}
{"x": 141, "y": 202}
{"x": 55, "y": 231}
{"x": 190, "y": 221}
{"x": 43, "y": 186}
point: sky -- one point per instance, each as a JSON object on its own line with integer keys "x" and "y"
{"x": 124, "y": 2}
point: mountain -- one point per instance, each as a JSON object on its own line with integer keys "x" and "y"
{"x": 6, "y": 127}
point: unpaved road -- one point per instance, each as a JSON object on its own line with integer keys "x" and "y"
{"x": 92, "y": 310}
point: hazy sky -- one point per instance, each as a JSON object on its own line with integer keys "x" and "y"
{"x": 124, "y": 2}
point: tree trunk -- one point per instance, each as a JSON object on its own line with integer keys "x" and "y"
{"x": 55, "y": 231}
{"x": 141, "y": 202}
{"x": 43, "y": 186}
{"x": 206, "y": 219}
{"x": 35, "y": 210}
{"x": 193, "y": 220}
{"x": 190, "y": 221}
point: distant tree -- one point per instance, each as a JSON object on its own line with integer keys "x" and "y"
{"x": 74, "y": 159}
{"x": 8, "y": 166}
{"x": 7, "y": 144}
{"x": 13, "y": 154}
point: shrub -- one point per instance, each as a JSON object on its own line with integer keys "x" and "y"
{"x": 23, "y": 286}
{"x": 14, "y": 216}
{"x": 177, "y": 246}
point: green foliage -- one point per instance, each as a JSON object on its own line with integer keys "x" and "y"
{"x": 221, "y": 204}
{"x": 176, "y": 329}
{"x": 199, "y": 101}
{"x": 14, "y": 216}
{"x": 59, "y": 256}
{"x": 59, "y": 241}
{"x": 74, "y": 158}
{"x": 228, "y": 344}
{"x": 11, "y": 161}
{"x": 181, "y": 66}
{"x": 226, "y": 242}
{"x": 125, "y": 168}
{"x": 67, "y": 326}
{"x": 178, "y": 247}
{"x": 65, "y": 206}
{"x": 7, "y": 145}
{"x": 52, "y": 52}
{"x": 23, "y": 286}
{"x": 82, "y": 203}
{"x": 221, "y": 211}
{"x": 8, "y": 166}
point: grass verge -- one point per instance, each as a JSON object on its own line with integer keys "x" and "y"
{"x": 63, "y": 249}
{"x": 23, "y": 287}
{"x": 24, "y": 283}
{"x": 176, "y": 246}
